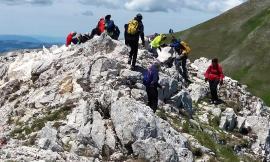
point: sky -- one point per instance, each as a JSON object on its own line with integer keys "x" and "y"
{"x": 58, "y": 17}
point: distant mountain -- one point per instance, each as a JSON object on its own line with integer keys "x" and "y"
{"x": 18, "y": 38}
{"x": 240, "y": 38}
{"x": 16, "y": 42}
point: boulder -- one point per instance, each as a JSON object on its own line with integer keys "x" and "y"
{"x": 98, "y": 130}
{"x": 132, "y": 121}
{"x": 198, "y": 91}
{"x": 182, "y": 100}
{"x": 228, "y": 120}
{"x": 48, "y": 139}
{"x": 154, "y": 150}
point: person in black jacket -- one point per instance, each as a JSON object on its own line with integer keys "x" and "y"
{"x": 132, "y": 40}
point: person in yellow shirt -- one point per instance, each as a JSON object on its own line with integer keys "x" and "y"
{"x": 156, "y": 44}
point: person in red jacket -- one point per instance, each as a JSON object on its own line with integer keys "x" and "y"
{"x": 214, "y": 75}
{"x": 70, "y": 38}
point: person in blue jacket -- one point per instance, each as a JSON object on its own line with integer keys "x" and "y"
{"x": 151, "y": 83}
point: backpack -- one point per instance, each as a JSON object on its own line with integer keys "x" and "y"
{"x": 133, "y": 27}
{"x": 187, "y": 47}
{"x": 101, "y": 25}
{"x": 148, "y": 77}
{"x": 110, "y": 26}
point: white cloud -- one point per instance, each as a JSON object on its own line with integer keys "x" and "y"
{"x": 167, "y": 5}
{"x": 145, "y": 5}
{"x": 32, "y": 2}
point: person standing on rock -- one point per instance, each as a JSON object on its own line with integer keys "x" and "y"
{"x": 150, "y": 80}
{"x": 214, "y": 75}
{"x": 133, "y": 31}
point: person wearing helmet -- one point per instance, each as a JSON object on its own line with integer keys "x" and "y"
{"x": 70, "y": 38}
{"x": 133, "y": 31}
{"x": 156, "y": 44}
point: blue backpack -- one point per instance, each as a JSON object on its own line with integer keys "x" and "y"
{"x": 147, "y": 78}
{"x": 110, "y": 26}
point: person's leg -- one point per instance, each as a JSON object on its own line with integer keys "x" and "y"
{"x": 215, "y": 94}
{"x": 155, "y": 99}
{"x": 212, "y": 89}
{"x": 129, "y": 43}
{"x": 93, "y": 33}
{"x": 149, "y": 96}
{"x": 135, "y": 53}
{"x": 184, "y": 67}
{"x": 177, "y": 65}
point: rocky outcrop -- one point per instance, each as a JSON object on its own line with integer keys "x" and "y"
{"x": 82, "y": 103}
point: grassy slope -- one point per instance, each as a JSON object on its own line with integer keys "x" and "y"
{"x": 241, "y": 39}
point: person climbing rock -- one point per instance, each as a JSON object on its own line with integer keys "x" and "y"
{"x": 182, "y": 49}
{"x": 133, "y": 31}
{"x": 157, "y": 43}
{"x": 150, "y": 80}
{"x": 214, "y": 75}
{"x": 70, "y": 38}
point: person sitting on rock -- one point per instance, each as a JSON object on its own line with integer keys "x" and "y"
{"x": 157, "y": 43}
{"x": 71, "y": 38}
{"x": 99, "y": 29}
{"x": 150, "y": 80}
{"x": 214, "y": 75}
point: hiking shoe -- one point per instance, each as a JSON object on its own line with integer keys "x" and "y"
{"x": 188, "y": 81}
{"x": 132, "y": 68}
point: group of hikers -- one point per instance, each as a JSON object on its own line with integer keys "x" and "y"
{"x": 134, "y": 30}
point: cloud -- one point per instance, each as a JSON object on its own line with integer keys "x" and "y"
{"x": 88, "y": 13}
{"x": 32, "y": 2}
{"x": 166, "y": 5}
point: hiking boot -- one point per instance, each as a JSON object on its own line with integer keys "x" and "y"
{"x": 188, "y": 81}
{"x": 132, "y": 68}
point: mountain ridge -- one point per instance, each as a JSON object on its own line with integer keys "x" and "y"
{"x": 83, "y": 103}
{"x": 239, "y": 38}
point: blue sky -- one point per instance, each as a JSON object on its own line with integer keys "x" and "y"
{"x": 59, "y": 17}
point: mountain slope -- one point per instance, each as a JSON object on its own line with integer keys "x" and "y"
{"x": 240, "y": 38}
{"x": 82, "y": 103}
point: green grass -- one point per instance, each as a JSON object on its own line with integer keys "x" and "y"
{"x": 39, "y": 123}
{"x": 23, "y": 130}
{"x": 239, "y": 38}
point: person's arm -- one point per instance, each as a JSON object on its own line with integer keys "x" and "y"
{"x": 142, "y": 34}
{"x": 221, "y": 75}
{"x": 206, "y": 74}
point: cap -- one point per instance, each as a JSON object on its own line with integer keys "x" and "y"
{"x": 139, "y": 16}
{"x": 107, "y": 17}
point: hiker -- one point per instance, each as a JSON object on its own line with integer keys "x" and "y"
{"x": 111, "y": 29}
{"x": 214, "y": 75}
{"x": 100, "y": 28}
{"x": 133, "y": 31}
{"x": 70, "y": 38}
{"x": 182, "y": 49}
{"x": 157, "y": 43}
{"x": 150, "y": 80}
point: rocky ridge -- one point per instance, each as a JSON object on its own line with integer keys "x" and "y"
{"x": 82, "y": 103}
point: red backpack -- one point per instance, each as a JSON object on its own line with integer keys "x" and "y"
{"x": 101, "y": 25}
